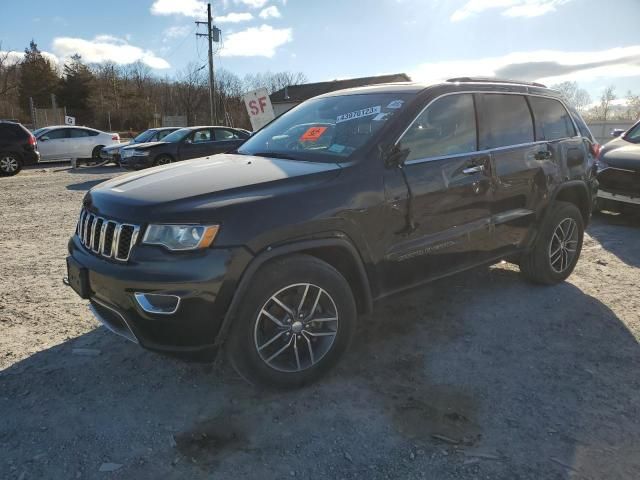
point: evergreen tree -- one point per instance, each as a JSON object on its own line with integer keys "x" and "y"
{"x": 76, "y": 89}
{"x": 38, "y": 79}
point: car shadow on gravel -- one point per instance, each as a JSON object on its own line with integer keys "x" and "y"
{"x": 619, "y": 234}
{"x": 477, "y": 375}
{"x": 89, "y": 184}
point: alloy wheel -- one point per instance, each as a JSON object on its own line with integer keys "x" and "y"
{"x": 296, "y": 327}
{"x": 9, "y": 164}
{"x": 564, "y": 245}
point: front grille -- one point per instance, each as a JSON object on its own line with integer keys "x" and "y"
{"x": 105, "y": 237}
{"x": 623, "y": 182}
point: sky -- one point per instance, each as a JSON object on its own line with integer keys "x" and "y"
{"x": 593, "y": 42}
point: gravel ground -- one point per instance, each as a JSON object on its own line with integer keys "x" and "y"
{"x": 473, "y": 377}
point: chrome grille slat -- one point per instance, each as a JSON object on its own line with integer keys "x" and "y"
{"x": 105, "y": 237}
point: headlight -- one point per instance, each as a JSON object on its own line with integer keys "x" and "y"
{"x": 140, "y": 153}
{"x": 181, "y": 237}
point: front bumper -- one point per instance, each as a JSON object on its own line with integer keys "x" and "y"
{"x": 204, "y": 281}
{"x": 135, "y": 163}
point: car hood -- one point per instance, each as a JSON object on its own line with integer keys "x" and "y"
{"x": 203, "y": 183}
{"x": 625, "y": 157}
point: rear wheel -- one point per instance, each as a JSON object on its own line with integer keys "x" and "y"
{"x": 10, "y": 163}
{"x": 295, "y": 322}
{"x": 557, "y": 248}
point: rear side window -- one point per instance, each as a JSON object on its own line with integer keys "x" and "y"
{"x": 92, "y": 133}
{"x": 222, "y": 134}
{"x": 8, "y": 130}
{"x": 446, "y": 127}
{"x": 552, "y": 119}
{"x": 79, "y": 133}
{"x": 507, "y": 121}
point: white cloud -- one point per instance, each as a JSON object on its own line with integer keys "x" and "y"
{"x": 105, "y": 48}
{"x": 16, "y": 57}
{"x": 253, "y": 3}
{"x": 547, "y": 66}
{"x": 270, "y": 12}
{"x": 177, "y": 31}
{"x": 256, "y": 42}
{"x": 509, "y": 8}
{"x": 188, "y": 8}
{"x": 234, "y": 18}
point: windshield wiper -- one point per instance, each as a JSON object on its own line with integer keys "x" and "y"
{"x": 284, "y": 156}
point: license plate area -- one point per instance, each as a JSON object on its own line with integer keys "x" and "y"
{"x": 78, "y": 278}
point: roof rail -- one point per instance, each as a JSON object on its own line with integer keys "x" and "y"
{"x": 494, "y": 80}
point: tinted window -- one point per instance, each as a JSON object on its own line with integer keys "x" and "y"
{"x": 552, "y": 120}
{"x": 56, "y": 134}
{"x": 507, "y": 121}
{"x": 8, "y": 130}
{"x": 164, "y": 133}
{"x": 79, "y": 133}
{"x": 200, "y": 136}
{"x": 92, "y": 133}
{"x": 446, "y": 127}
{"x": 222, "y": 134}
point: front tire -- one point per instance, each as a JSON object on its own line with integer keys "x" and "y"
{"x": 297, "y": 319}
{"x": 162, "y": 160}
{"x": 10, "y": 164}
{"x": 557, "y": 248}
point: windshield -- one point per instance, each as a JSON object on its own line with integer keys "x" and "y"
{"x": 326, "y": 129}
{"x": 177, "y": 135}
{"x": 37, "y": 132}
{"x": 144, "y": 136}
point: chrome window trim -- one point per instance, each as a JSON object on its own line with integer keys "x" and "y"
{"x": 489, "y": 150}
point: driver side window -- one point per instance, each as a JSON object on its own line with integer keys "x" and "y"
{"x": 446, "y": 127}
{"x": 634, "y": 135}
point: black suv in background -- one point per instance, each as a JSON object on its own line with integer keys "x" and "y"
{"x": 274, "y": 250}
{"x": 18, "y": 147}
{"x": 183, "y": 144}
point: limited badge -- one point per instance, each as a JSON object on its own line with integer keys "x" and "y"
{"x": 312, "y": 134}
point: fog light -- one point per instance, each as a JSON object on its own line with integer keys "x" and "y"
{"x": 158, "y": 303}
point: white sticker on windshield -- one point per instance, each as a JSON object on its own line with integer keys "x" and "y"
{"x": 365, "y": 112}
{"x": 396, "y": 104}
{"x": 337, "y": 148}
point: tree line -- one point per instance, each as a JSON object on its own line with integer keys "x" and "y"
{"x": 126, "y": 97}
{"x": 605, "y": 108}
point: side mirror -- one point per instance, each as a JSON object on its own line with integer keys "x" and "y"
{"x": 617, "y": 132}
{"x": 188, "y": 141}
{"x": 392, "y": 155}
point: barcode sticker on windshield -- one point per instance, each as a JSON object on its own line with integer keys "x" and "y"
{"x": 396, "y": 104}
{"x": 365, "y": 112}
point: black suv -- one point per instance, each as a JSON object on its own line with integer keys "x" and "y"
{"x": 183, "y": 144}
{"x": 275, "y": 249}
{"x": 17, "y": 148}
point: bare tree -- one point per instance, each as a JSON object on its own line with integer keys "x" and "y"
{"x": 273, "y": 81}
{"x": 606, "y": 101}
{"x": 8, "y": 73}
{"x": 191, "y": 90}
{"x": 633, "y": 106}
{"x": 578, "y": 97}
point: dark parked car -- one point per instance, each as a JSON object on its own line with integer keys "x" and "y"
{"x": 274, "y": 250}
{"x": 183, "y": 144}
{"x": 18, "y": 147}
{"x": 112, "y": 153}
{"x": 619, "y": 172}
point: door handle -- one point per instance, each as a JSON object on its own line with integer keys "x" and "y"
{"x": 473, "y": 169}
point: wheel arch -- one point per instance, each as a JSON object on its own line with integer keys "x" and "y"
{"x": 575, "y": 192}
{"x": 338, "y": 252}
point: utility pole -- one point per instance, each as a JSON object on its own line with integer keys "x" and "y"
{"x": 213, "y": 35}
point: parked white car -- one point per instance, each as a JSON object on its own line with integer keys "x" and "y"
{"x": 65, "y": 143}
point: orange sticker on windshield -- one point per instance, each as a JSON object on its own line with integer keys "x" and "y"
{"x": 313, "y": 134}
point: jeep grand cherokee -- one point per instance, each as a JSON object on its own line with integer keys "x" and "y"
{"x": 273, "y": 250}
